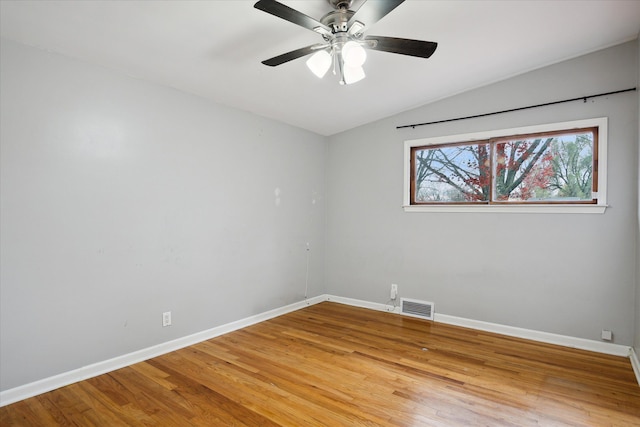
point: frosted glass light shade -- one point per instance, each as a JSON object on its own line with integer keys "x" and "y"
{"x": 353, "y": 74}
{"x": 353, "y": 54}
{"x": 319, "y": 63}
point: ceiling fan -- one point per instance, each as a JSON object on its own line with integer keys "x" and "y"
{"x": 344, "y": 41}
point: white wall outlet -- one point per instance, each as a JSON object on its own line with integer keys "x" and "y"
{"x": 394, "y": 291}
{"x": 166, "y": 318}
{"x": 607, "y": 335}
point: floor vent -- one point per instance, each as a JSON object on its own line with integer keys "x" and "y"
{"x": 416, "y": 308}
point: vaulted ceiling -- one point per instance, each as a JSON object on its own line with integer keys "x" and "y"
{"x": 213, "y": 49}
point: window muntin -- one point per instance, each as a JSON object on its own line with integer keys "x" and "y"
{"x": 558, "y": 166}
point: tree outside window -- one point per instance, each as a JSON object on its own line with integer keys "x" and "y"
{"x": 546, "y": 168}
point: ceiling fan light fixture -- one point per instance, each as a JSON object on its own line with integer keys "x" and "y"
{"x": 353, "y": 74}
{"x": 353, "y": 54}
{"x": 319, "y": 63}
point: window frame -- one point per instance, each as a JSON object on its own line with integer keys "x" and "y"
{"x": 599, "y": 174}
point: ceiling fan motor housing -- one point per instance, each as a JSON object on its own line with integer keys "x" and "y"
{"x": 340, "y": 4}
{"x": 337, "y": 20}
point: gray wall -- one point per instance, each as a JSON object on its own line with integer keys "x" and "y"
{"x": 121, "y": 200}
{"x": 637, "y": 320}
{"x": 560, "y": 273}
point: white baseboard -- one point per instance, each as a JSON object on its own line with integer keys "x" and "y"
{"x": 51, "y": 383}
{"x": 635, "y": 363}
{"x": 363, "y": 304}
{"x": 529, "y": 334}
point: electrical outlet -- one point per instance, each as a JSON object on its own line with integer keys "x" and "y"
{"x": 394, "y": 291}
{"x": 607, "y": 335}
{"x": 166, "y": 318}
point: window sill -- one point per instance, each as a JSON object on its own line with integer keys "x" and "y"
{"x": 552, "y": 209}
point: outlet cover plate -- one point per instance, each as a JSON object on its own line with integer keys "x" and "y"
{"x": 166, "y": 318}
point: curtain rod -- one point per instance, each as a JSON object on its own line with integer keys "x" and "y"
{"x": 583, "y": 98}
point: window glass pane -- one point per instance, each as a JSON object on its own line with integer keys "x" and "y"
{"x": 457, "y": 173}
{"x": 573, "y": 167}
{"x": 544, "y": 168}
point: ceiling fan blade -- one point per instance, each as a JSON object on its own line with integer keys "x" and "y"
{"x": 288, "y": 14}
{"x": 294, "y": 54}
{"x": 409, "y": 47}
{"x": 373, "y": 10}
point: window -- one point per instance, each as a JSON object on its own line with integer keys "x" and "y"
{"x": 549, "y": 168}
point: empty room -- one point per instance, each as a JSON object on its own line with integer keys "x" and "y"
{"x": 319, "y": 213}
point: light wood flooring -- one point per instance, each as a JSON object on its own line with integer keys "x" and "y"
{"x": 336, "y": 365}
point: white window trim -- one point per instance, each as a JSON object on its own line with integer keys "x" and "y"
{"x": 600, "y": 122}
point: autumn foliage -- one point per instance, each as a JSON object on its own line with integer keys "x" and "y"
{"x": 523, "y": 169}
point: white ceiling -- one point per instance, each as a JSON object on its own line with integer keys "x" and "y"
{"x": 214, "y": 48}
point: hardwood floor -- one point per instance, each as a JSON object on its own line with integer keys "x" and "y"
{"x": 336, "y": 365}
